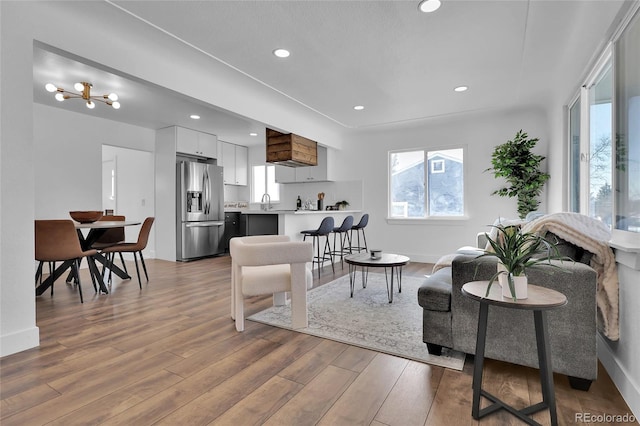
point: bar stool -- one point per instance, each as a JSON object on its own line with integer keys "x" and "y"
{"x": 325, "y": 228}
{"x": 364, "y": 220}
{"x": 344, "y": 232}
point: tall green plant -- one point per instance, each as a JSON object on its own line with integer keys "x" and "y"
{"x": 520, "y": 167}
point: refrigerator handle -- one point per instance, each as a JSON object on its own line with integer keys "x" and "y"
{"x": 204, "y": 192}
{"x": 208, "y": 196}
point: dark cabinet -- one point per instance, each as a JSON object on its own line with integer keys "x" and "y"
{"x": 259, "y": 224}
{"x": 231, "y": 228}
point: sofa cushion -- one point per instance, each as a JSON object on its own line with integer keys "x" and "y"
{"x": 435, "y": 293}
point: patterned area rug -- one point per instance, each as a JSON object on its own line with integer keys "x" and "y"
{"x": 368, "y": 319}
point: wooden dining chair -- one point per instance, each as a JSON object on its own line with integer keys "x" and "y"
{"x": 111, "y": 237}
{"x": 57, "y": 241}
{"x": 135, "y": 248}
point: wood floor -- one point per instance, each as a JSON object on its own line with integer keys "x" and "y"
{"x": 169, "y": 354}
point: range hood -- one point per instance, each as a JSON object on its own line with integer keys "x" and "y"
{"x": 291, "y": 150}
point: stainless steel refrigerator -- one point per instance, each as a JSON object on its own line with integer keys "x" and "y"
{"x": 200, "y": 210}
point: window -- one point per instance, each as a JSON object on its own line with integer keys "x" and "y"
{"x": 574, "y": 156}
{"x": 417, "y": 191}
{"x": 627, "y": 129}
{"x": 590, "y": 146}
{"x": 264, "y": 182}
{"x": 604, "y": 168}
{"x": 437, "y": 166}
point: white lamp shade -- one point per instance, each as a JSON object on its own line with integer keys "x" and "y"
{"x": 59, "y": 97}
{"x": 91, "y": 105}
{"x": 113, "y": 97}
{"x": 79, "y": 87}
{"x": 50, "y": 87}
{"x": 116, "y": 105}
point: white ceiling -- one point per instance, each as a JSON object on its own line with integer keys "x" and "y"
{"x": 401, "y": 64}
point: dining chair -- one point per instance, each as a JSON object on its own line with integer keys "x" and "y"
{"x": 111, "y": 237}
{"x": 57, "y": 241}
{"x": 135, "y": 248}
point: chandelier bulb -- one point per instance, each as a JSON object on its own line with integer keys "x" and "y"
{"x": 116, "y": 105}
{"x": 59, "y": 97}
{"x": 79, "y": 87}
{"x": 91, "y": 105}
{"x": 112, "y": 97}
{"x": 50, "y": 87}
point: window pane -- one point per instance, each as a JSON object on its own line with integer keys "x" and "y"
{"x": 574, "y": 157}
{"x": 446, "y": 182}
{"x": 628, "y": 129}
{"x": 600, "y": 195}
{"x": 259, "y": 183}
{"x": 407, "y": 184}
{"x": 273, "y": 188}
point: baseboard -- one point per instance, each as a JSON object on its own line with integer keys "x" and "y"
{"x": 629, "y": 390}
{"x": 20, "y": 341}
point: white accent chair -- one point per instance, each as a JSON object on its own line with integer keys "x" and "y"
{"x": 267, "y": 264}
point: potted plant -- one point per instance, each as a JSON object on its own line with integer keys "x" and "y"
{"x": 516, "y": 252}
{"x": 342, "y": 205}
{"x": 515, "y": 162}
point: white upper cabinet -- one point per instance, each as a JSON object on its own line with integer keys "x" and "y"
{"x": 196, "y": 143}
{"x": 234, "y": 159}
{"x": 319, "y": 173}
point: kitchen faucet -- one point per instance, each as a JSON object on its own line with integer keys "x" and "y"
{"x": 265, "y": 206}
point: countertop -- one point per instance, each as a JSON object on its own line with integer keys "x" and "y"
{"x": 296, "y": 212}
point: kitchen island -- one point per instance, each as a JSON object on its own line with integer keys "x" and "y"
{"x": 290, "y": 222}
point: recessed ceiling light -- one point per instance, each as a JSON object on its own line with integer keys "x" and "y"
{"x": 428, "y": 6}
{"x": 461, "y": 89}
{"x": 195, "y": 117}
{"x": 253, "y": 134}
{"x": 358, "y": 107}
{"x": 281, "y": 53}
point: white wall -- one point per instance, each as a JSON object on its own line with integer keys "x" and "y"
{"x": 366, "y": 157}
{"x": 68, "y": 163}
{"x": 18, "y": 329}
{"x": 135, "y": 188}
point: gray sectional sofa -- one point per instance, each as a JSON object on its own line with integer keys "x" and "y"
{"x": 450, "y": 319}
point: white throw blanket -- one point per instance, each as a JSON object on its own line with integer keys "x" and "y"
{"x": 593, "y": 236}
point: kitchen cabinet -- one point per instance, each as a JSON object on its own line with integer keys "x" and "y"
{"x": 259, "y": 224}
{"x": 234, "y": 159}
{"x": 319, "y": 173}
{"x": 231, "y": 228}
{"x": 196, "y": 143}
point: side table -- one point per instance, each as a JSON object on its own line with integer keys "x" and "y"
{"x": 540, "y": 300}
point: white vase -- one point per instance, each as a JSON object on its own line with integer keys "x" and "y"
{"x": 519, "y": 284}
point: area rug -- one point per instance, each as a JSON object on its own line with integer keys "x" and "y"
{"x": 368, "y": 319}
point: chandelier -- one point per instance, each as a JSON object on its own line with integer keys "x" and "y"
{"x": 85, "y": 93}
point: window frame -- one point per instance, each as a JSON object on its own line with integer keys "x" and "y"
{"x": 435, "y": 219}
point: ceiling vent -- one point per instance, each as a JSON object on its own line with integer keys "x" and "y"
{"x": 291, "y": 150}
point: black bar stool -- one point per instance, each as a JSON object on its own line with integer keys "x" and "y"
{"x": 364, "y": 220}
{"x": 325, "y": 228}
{"x": 345, "y": 237}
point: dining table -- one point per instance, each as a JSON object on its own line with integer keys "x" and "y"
{"x": 95, "y": 231}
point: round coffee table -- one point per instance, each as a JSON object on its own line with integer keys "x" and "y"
{"x": 386, "y": 260}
